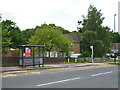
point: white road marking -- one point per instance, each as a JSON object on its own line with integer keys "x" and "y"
{"x": 58, "y": 81}
{"x": 101, "y": 73}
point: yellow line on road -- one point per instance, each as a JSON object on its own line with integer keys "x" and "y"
{"x": 9, "y": 75}
{"x": 35, "y": 72}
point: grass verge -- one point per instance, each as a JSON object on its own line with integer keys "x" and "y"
{"x": 111, "y": 60}
{"x": 115, "y": 63}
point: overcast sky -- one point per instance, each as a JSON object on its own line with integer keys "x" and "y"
{"x": 65, "y": 13}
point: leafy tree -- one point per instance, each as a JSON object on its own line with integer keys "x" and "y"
{"x": 90, "y": 39}
{"x": 59, "y": 28}
{"x": 104, "y": 35}
{"x": 94, "y": 33}
{"x": 116, "y": 38}
{"x": 87, "y": 40}
{"x": 0, "y": 35}
{"x": 93, "y": 21}
{"x": 74, "y": 32}
{"x": 98, "y": 48}
{"x": 27, "y": 34}
{"x": 12, "y": 36}
{"x": 51, "y": 37}
{"x": 6, "y": 41}
{"x": 64, "y": 31}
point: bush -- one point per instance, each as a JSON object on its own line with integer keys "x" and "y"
{"x": 86, "y": 54}
{"x": 81, "y": 56}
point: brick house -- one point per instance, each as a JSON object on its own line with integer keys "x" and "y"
{"x": 76, "y": 49}
{"x": 77, "y": 44}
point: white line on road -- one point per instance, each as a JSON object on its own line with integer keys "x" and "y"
{"x": 101, "y": 73}
{"x": 58, "y": 81}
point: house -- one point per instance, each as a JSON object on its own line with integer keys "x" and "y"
{"x": 77, "y": 44}
{"x": 74, "y": 52}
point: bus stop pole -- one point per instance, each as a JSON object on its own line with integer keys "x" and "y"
{"x": 22, "y": 57}
{"x": 43, "y": 55}
{"x": 39, "y": 56}
{"x": 33, "y": 57}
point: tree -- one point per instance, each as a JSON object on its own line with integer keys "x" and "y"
{"x": 6, "y": 41}
{"x": 12, "y": 36}
{"x": 51, "y": 37}
{"x": 87, "y": 40}
{"x": 104, "y": 35}
{"x": 0, "y": 35}
{"x": 59, "y": 28}
{"x": 116, "y": 38}
{"x": 93, "y": 21}
{"x": 27, "y": 34}
{"x": 98, "y": 48}
{"x": 90, "y": 39}
{"x": 94, "y": 33}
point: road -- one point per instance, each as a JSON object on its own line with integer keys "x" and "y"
{"x": 102, "y": 77}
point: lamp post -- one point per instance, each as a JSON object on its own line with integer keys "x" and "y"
{"x": 114, "y": 22}
{"x": 114, "y": 40}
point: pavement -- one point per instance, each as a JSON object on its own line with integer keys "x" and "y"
{"x": 17, "y": 69}
{"x": 46, "y": 66}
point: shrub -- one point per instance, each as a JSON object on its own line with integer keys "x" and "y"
{"x": 81, "y": 56}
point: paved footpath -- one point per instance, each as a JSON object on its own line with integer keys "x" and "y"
{"x": 13, "y": 71}
{"x": 16, "y": 68}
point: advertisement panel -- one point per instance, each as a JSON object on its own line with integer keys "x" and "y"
{"x": 27, "y": 52}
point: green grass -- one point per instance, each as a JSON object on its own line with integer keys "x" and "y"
{"x": 109, "y": 60}
{"x": 115, "y": 63}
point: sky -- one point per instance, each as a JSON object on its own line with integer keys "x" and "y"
{"x": 65, "y": 13}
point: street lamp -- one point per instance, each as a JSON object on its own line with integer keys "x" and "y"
{"x": 114, "y": 40}
{"x": 114, "y": 22}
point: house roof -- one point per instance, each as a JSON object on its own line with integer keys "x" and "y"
{"x": 74, "y": 36}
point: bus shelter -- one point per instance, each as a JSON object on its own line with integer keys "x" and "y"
{"x": 31, "y": 55}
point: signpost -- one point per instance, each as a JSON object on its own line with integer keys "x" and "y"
{"x": 92, "y": 54}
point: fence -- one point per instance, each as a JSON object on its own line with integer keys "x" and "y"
{"x": 15, "y": 60}
{"x": 54, "y": 59}
{"x": 87, "y": 59}
{"x": 10, "y": 60}
{"x": 96, "y": 60}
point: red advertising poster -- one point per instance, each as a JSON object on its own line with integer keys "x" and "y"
{"x": 27, "y": 52}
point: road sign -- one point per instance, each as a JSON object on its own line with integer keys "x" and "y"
{"x": 91, "y": 47}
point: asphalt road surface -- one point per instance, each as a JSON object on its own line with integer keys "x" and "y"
{"x": 102, "y": 77}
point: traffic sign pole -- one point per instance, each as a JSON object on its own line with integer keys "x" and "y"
{"x": 92, "y": 54}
